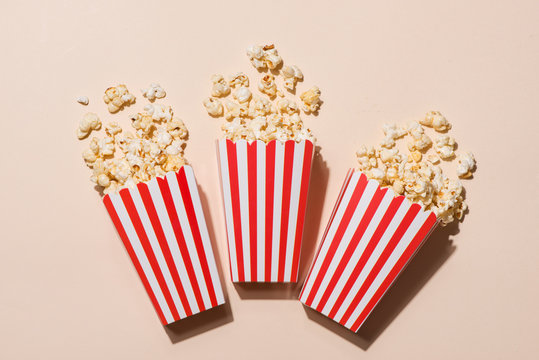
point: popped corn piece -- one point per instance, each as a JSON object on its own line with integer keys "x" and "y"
{"x": 238, "y": 79}
{"x": 154, "y": 91}
{"x": 175, "y": 148}
{"x": 392, "y": 132}
{"x": 106, "y": 146}
{"x": 311, "y": 100}
{"x": 159, "y": 112}
{"x": 416, "y": 156}
{"x": 466, "y": 165}
{"x": 174, "y": 163}
{"x": 267, "y": 85}
{"x": 271, "y": 56}
{"x": 113, "y": 128}
{"x": 287, "y": 106}
{"x": 260, "y": 106}
{"x": 235, "y": 110}
{"x": 83, "y": 100}
{"x": 143, "y": 122}
{"x": 117, "y": 97}
{"x": 242, "y": 95}
{"x": 213, "y": 106}
{"x": 89, "y": 157}
{"x": 103, "y": 180}
{"x": 264, "y": 57}
{"x": 291, "y": 76}
{"x": 444, "y": 146}
{"x": 420, "y": 140}
{"x": 433, "y": 159}
{"x": 90, "y": 121}
{"x": 436, "y": 120}
{"x": 162, "y": 137}
{"x": 177, "y": 129}
{"x": 220, "y": 87}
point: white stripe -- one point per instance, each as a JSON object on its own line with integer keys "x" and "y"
{"x": 148, "y": 228}
{"x": 365, "y": 239}
{"x": 188, "y": 236}
{"x": 227, "y": 200}
{"x": 359, "y": 212}
{"x": 172, "y": 243}
{"x": 395, "y": 222}
{"x": 141, "y": 256}
{"x": 277, "y": 203}
{"x": 299, "y": 154}
{"x": 261, "y": 207}
{"x": 331, "y": 233}
{"x": 243, "y": 186}
{"x": 202, "y": 227}
{"x": 390, "y": 263}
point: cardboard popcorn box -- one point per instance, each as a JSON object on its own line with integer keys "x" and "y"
{"x": 371, "y": 236}
{"x": 264, "y": 188}
{"x": 163, "y": 228}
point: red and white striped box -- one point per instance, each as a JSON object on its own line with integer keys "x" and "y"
{"x": 264, "y": 189}
{"x": 371, "y": 236}
{"x": 163, "y": 228}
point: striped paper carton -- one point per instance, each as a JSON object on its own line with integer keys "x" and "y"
{"x": 372, "y": 234}
{"x": 163, "y": 228}
{"x": 264, "y": 189}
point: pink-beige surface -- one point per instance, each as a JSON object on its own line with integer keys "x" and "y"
{"x": 69, "y": 290}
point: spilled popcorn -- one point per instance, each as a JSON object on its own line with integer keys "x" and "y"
{"x": 416, "y": 175}
{"x": 264, "y": 113}
{"x": 122, "y": 159}
{"x": 117, "y": 97}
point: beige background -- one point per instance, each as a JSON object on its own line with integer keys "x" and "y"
{"x": 68, "y": 289}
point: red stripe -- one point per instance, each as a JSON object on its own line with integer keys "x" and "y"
{"x": 158, "y": 229}
{"x": 145, "y": 242}
{"x": 354, "y": 241}
{"x": 195, "y": 232}
{"x": 285, "y": 205}
{"x": 339, "y": 198}
{"x": 270, "y": 181}
{"x": 373, "y": 241}
{"x": 133, "y": 256}
{"x": 304, "y": 191}
{"x": 335, "y": 241}
{"x": 176, "y": 226}
{"x": 251, "y": 170}
{"x": 397, "y": 236}
{"x": 235, "y": 200}
{"x": 399, "y": 266}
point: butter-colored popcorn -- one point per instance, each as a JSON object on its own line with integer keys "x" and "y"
{"x": 392, "y": 132}
{"x": 271, "y": 57}
{"x": 267, "y": 85}
{"x": 264, "y": 57}
{"x": 175, "y": 148}
{"x": 159, "y": 112}
{"x": 143, "y": 122}
{"x": 311, "y": 100}
{"x": 154, "y": 91}
{"x": 444, "y": 146}
{"x": 291, "y": 76}
{"x": 113, "y": 128}
{"x": 466, "y": 165}
{"x": 238, "y": 80}
{"x": 436, "y": 120}
{"x": 106, "y": 146}
{"x": 89, "y": 157}
{"x": 162, "y": 137}
{"x": 287, "y": 106}
{"x": 177, "y": 129}
{"x": 220, "y": 87}
{"x": 242, "y": 95}
{"x": 90, "y": 121}
{"x": 117, "y": 97}
{"x": 83, "y": 100}
{"x": 103, "y": 180}
{"x": 213, "y": 106}
{"x": 420, "y": 140}
{"x": 260, "y": 106}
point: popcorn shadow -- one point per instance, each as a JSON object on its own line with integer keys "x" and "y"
{"x": 311, "y": 233}
{"x": 212, "y": 318}
{"x": 433, "y": 254}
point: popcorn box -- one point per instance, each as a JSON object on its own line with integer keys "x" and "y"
{"x": 264, "y": 188}
{"x": 163, "y": 228}
{"x": 371, "y": 236}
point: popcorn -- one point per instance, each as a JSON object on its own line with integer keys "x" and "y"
{"x": 311, "y": 99}
{"x": 106, "y": 146}
{"x": 159, "y": 112}
{"x": 416, "y": 176}
{"x": 444, "y": 146}
{"x": 213, "y": 106}
{"x": 118, "y": 97}
{"x": 237, "y": 80}
{"x": 242, "y": 95}
{"x": 220, "y": 87}
{"x": 291, "y": 76}
{"x": 287, "y": 106}
{"x": 89, "y": 122}
{"x": 267, "y": 85}
{"x": 113, "y": 129}
{"x": 466, "y": 165}
{"x": 436, "y": 120}
{"x": 83, "y": 100}
{"x": 264, "y": 57}
{"x": 154, "y": 91}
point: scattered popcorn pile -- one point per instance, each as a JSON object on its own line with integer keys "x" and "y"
{"x": 416, "y": 175}
{"x": 123, "y": 159}
{"x": 266, "y": 116}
